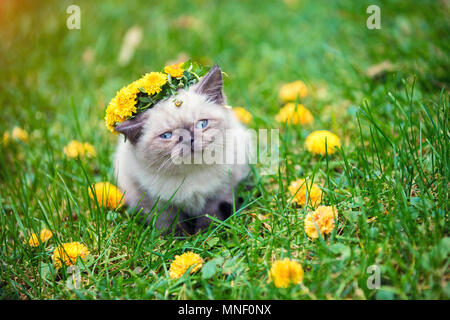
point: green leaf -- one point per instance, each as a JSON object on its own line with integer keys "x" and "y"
{"x": 340, "y": 249}
{"x": 210, "y": 268}
{"x": 145, "y": 99}
{"x": 385, "y": 294}
{"x": 44, "y": 270}
{"x": 111, "y": 215}
{"x": 212, "y": 242}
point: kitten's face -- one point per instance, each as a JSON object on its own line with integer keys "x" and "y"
{"x": 174, "y": 135}
{"x": 166, "y": 136}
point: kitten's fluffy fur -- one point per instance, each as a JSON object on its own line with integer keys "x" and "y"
{"x": 147, "y": 174}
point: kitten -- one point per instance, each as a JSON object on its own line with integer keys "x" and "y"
{"x": 153, "y": 163}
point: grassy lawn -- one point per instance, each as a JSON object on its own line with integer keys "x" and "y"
{"x": 389, "y": 181}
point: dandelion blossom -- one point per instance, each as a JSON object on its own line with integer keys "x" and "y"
{"x": 292, "y": 114}
{"x": 182, "y": 263}
{"x": 123, "y": 105}
{"x": 107, "y": 195}
{"x": 153, "y": 81}
{"x": 89, "y": 150}
{"x": 315, "y": 142}
{"x": 68, "y": 254}
{"x": 113, "y": 115}
{"x": 19, "y": 134}
{"x": 45, "y": 235}
{"x": 33, "y": 241}
{"x": 322, "y": 220}
{"x": 78, "y": 149}
{"x": 290, "y": 91}
{"x": 302, "y": 190}
{"x": 6, "y": 138}
{"x": 242, "y": 115}
{"x": 286, "y": 272}
{"x": 175, "y": 70}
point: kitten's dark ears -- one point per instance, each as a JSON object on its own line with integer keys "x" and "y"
{"x": 211, "y": 85}
{"x": 132, "y": 129}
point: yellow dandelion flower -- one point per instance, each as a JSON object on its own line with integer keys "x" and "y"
{"x": 175, "y": 70}
{"x": 292, "y": 114}
{"x": 182, "y": 263}
{"x": 73, "y": 149}
{"x": 126, "y": 99}
{"x": 242, "y": 115}
{"x": 33, "y": 241}
{"x": 19, "y": 134}
{"x": 45, "y": 235}
{"x": 107, "y": 195}
{"x": 322, "y": 220}
{"x": 112, "y": 117}
{"x": 302, "y": 189}
{"x": 68, "y": 253}
{"x": 6, "y": 138}
{"x": 286, "y": 272}
{"x": 153, "y": 81}
{"x": 123, "y": 105}
{"x": 89, "y": 150}
{"x": 78, "y": 149}
{"x": 315, "y": 142}
{"x": 290, "y": 91}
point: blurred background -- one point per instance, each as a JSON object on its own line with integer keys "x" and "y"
{"x": 47, "y": 68}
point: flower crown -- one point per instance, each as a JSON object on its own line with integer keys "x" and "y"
{"x": 145, "y": 92}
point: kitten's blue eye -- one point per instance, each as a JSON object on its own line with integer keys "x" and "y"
{"x": 166, "y": 135}
{"x": 202, "y": 124}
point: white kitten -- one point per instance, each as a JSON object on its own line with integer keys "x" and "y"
{"x": 151, "y": 164}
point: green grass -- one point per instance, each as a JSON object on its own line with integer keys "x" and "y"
{"x": 389, "y": 181}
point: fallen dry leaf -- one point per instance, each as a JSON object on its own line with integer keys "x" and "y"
{"x": 129, "y": 44}
{"x": 379, "y": 69}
